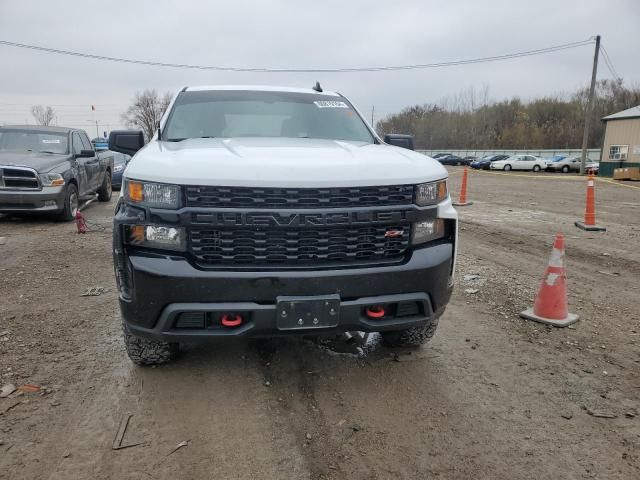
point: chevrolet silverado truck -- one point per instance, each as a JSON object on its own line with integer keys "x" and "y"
{"x": 50, "y": 170}
{"x": 262, "y": 211}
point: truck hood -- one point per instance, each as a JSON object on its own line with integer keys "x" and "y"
{"x": 280, "y": 162}
{"x": 41, "y": 162}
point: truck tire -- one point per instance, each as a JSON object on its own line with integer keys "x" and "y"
{"x": 411, "y": 337}
{"x": 143, "y": 351}
{"x": 70, "y": 204}
{"x": 105, "y": 190}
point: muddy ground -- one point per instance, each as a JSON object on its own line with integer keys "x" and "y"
{"x": 492, "y": 396}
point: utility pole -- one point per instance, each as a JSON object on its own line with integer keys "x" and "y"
{"x": 373, "y": 109}
{"x": 589, "y": 112}
{"x": 97, "y": 130}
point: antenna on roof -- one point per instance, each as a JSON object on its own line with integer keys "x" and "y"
{"x": 317, "y": 87}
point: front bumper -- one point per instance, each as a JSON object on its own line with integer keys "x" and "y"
{"x": 46, "y": 200}
{"x": 164, "y": 287}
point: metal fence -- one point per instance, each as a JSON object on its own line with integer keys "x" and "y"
{"x": 592, "y": 153}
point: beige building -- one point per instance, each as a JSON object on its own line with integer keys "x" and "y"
{"x": 621, "y": 141}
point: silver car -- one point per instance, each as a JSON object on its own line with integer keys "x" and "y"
{"x": 519, "y": 162}
{"x": 571, "y": 164}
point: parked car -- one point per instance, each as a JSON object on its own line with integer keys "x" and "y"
{"x": 563, "y": 164}
{"x": 484, "y": 162}
{"x": 231, "y": 228}
{"x": 100, "y": 144}
{"x": 453, "y": 160}
{"x": 440, "y": 155}
{"x": 592, "y": 167}
{"x": 120, "y": 161}
{"x": 520, "y": 162}
{"x": 50, "y": 170}
{"x": 572, "y": 164}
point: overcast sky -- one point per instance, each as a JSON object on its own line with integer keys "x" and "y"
{"x": 298, "y": 33}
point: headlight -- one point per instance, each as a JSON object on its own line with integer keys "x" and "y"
{"x": 152, "y": 236}
{"x": 431, "y": 193}
{"x": 51, "y": 179}
{"x": 427, "y": 231}
{"x": 118, "y": 168}
{"x": 159, "y": 195}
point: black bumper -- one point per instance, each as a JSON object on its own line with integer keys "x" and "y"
{"x": 163, "y": 288}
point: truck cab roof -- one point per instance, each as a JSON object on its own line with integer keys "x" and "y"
{"x": 257, "y": 88}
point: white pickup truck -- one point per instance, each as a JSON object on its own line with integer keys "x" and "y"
{"x": 260, "y": 211}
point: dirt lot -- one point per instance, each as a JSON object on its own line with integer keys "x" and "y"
{"x": 492, "y": 396}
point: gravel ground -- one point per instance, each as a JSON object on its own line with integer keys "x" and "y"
{"x": 492, "y": 396}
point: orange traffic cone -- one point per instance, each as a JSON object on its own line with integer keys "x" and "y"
{"x": 462, "y": 202}
{"x": 590, "y": 210}
{"x": 550, "y": 306}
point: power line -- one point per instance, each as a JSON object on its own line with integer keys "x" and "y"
{"x": 609, "y": 62}
{"x": 494, "y": 58}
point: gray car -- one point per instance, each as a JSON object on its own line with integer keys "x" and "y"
{"x": 564, "y": 165}
{"x": 572, "y": 164}
{"x": 50, "y": 170}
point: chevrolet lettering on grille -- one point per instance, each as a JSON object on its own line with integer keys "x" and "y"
{"x": 299, "y": 219}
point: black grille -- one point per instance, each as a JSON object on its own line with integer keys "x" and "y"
{"x": 244, "y": 197}
{"x": 304, "y": 247}
{"x": 18, "y": 178}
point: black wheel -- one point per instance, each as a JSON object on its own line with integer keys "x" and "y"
{"x": 411, "y": 337}
{"x": 565, "y": 169}
{"x": 142, "y": 351}
{"x": 507, "y": 168}
{"x": 70, "y": 204}
{"x": 536, "y": 168}
{"x": 105, "y": 190}
{"x": 458, "y": 164}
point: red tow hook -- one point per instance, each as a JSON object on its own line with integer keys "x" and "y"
{"x": 231, "y": 321}
{"x": 375, "y": 311}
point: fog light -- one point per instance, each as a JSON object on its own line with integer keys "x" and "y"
{"x": 50, "y": 203}
{"x": 427, "y": 231}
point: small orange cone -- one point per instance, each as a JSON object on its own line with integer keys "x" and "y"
{"x": 550, "y": 306}
{"x": 462, "y": 202}
{"x": 590, "y": 210}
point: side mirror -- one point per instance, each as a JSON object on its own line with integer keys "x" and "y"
{"x": 404, "y": 141}
{"x": 126, "y": 141}
{"x": 86, "y": 154}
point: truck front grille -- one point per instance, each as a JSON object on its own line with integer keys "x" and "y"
{"x": 275, "y": 246}
{"x": 20, "y": 178}
{"x": 249, "y": 197}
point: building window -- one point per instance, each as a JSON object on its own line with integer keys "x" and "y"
{"x": 618, "y": 152}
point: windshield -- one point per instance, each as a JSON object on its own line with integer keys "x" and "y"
{"x": 224, "y": 114}
{"x": 33, "y": 141}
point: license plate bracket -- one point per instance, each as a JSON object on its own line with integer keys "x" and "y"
{"x": 302, "y": 313}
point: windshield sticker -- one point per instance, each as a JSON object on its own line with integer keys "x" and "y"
{"x": 50, "y": 141}
{"x": 330, "y": 104}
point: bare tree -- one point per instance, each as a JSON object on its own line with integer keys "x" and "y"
{"x": 146, "y": 111}
{"x": 43, "y": 115}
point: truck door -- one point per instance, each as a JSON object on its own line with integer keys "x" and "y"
{"x": 93, "y": 164}
{"x": 83, "y": 179}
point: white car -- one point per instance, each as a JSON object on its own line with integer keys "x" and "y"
{"x": 260, "y": 211}
{"x": 520, "y": 162}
